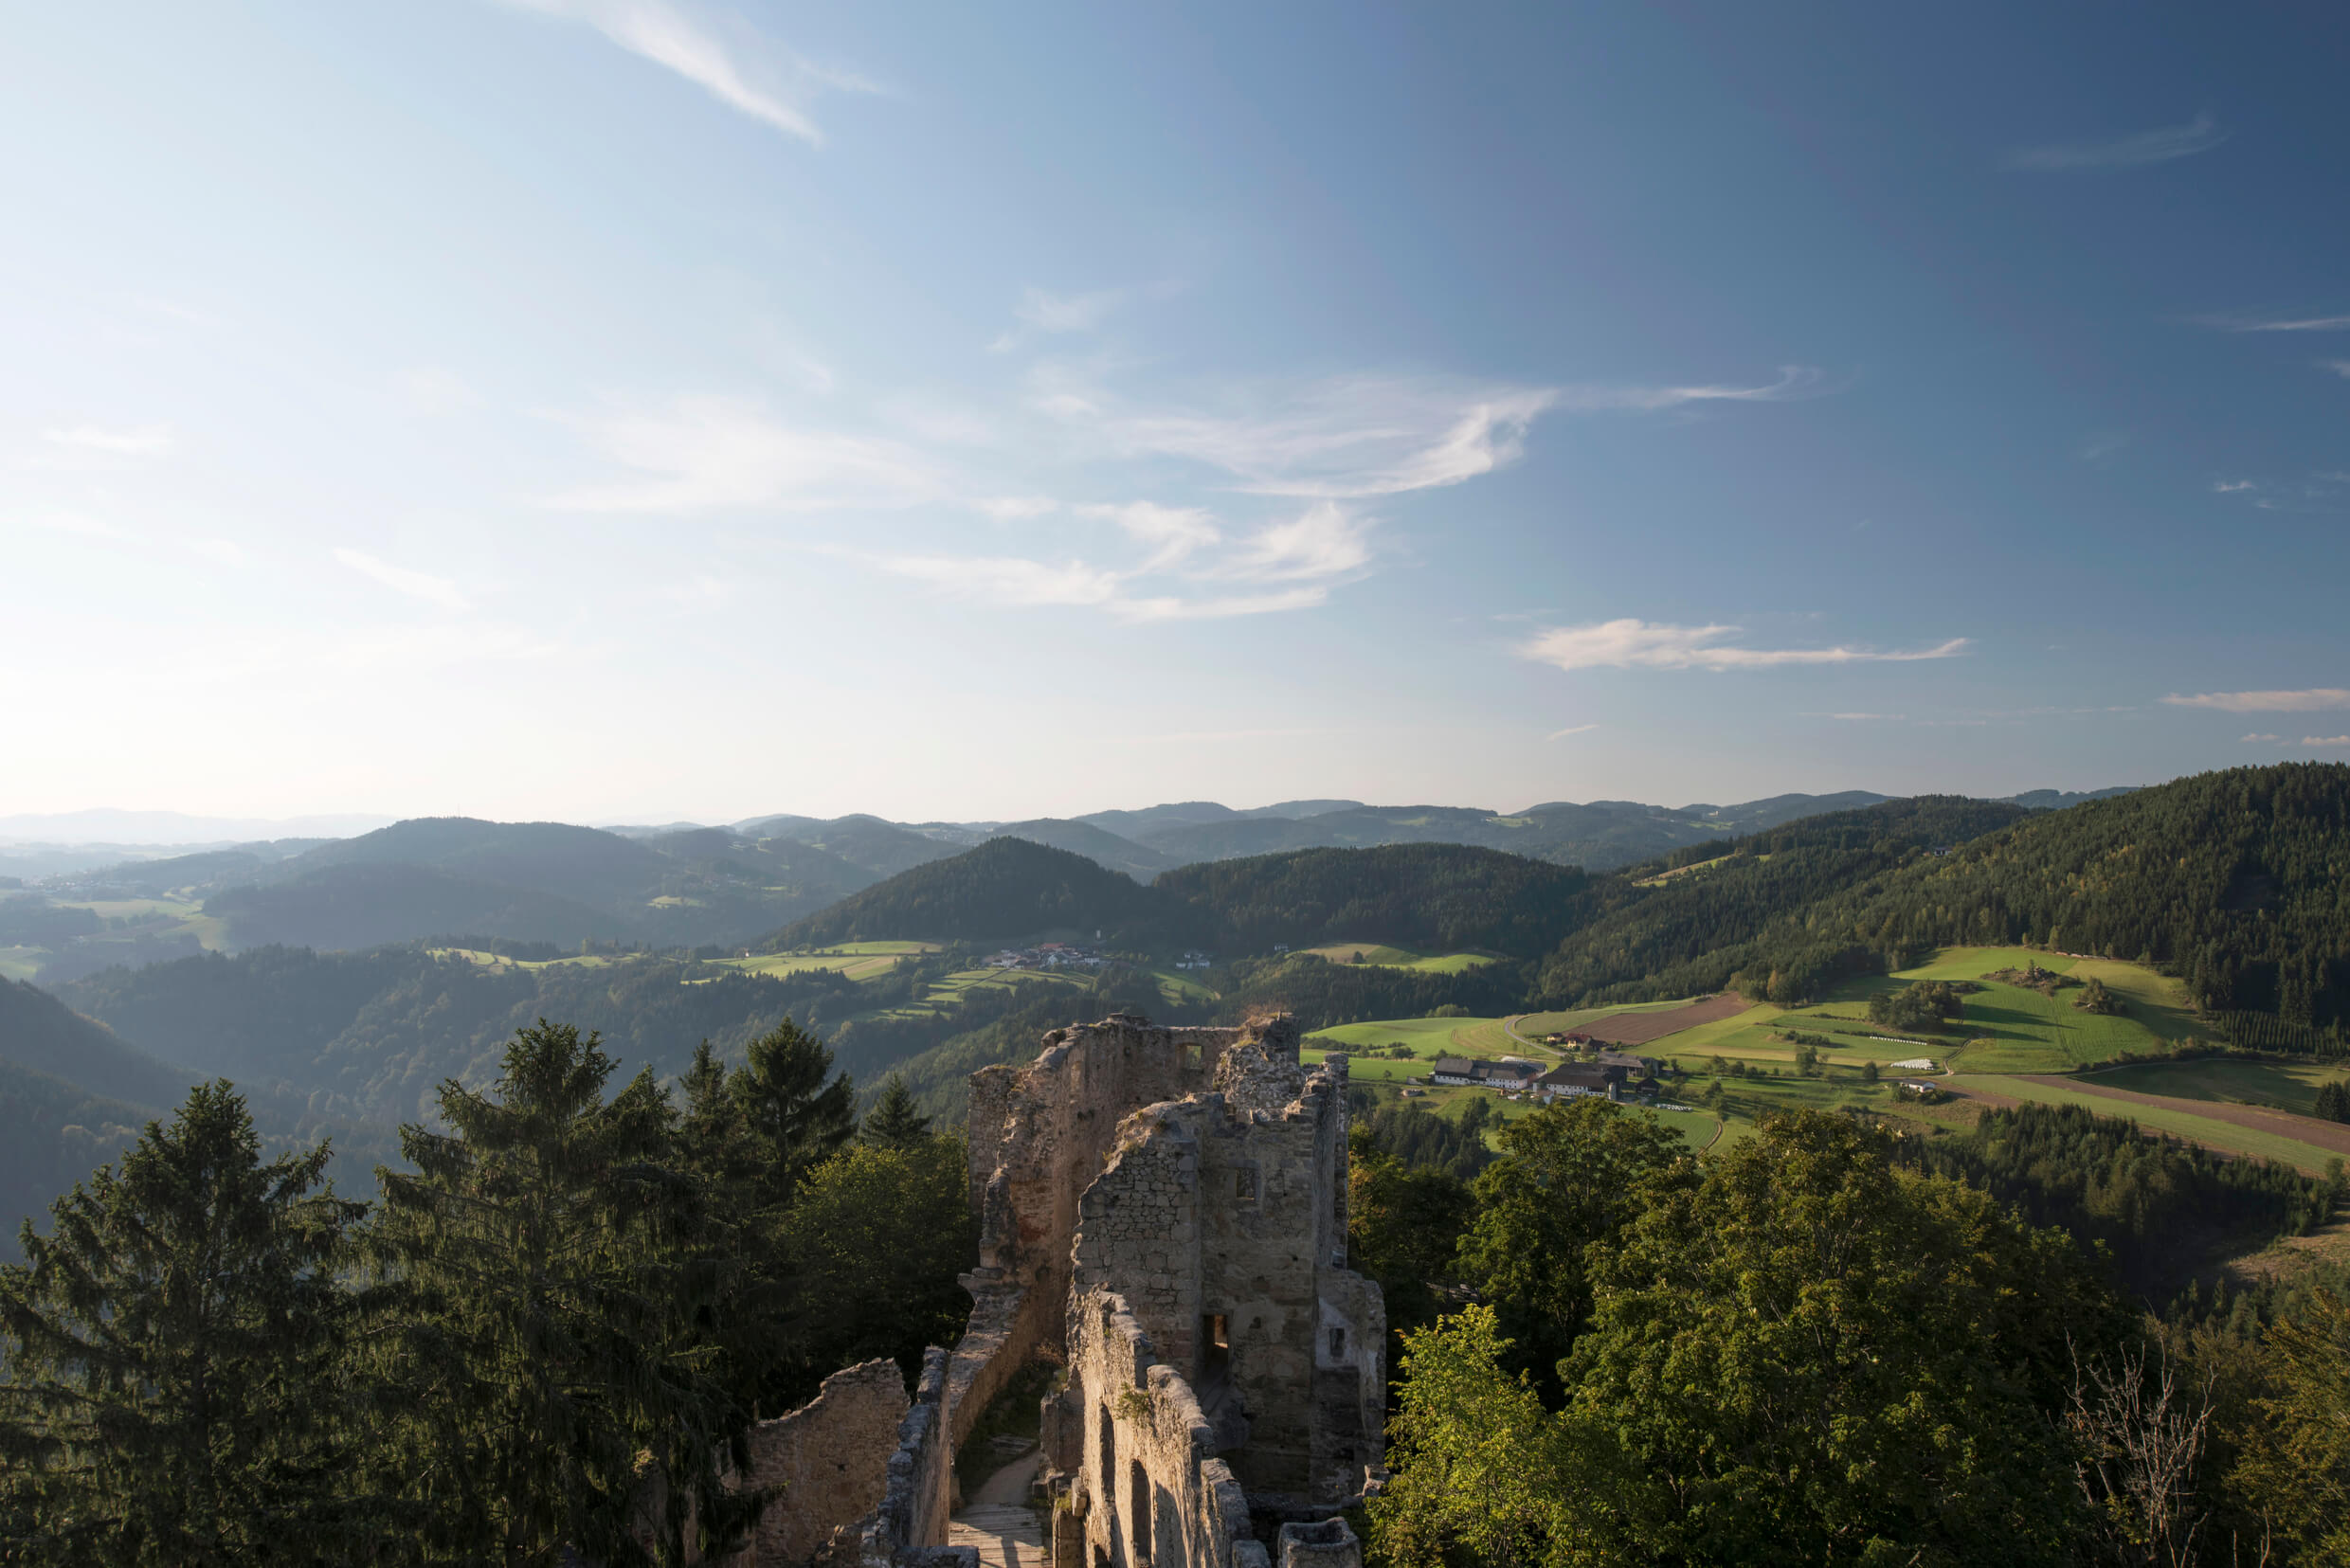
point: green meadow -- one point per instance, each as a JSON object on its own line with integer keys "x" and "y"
{"x": 2001, "y": 1028}
{"x": 2225, "y": 1136}
{"x": 1380, "y": 956}
{"x": 857, "y": 960}
{"x": 1428, "y": 1037}
{"x": 2281, "y": 1086}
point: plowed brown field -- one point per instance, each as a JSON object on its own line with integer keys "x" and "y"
{"x": 1641, "y": 1028}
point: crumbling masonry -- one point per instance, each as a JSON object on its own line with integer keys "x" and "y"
{"x": 1163, "y": 1214}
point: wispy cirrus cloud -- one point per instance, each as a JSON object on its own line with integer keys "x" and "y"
{"x": 415, "y": 585}
{"x": 1354, "y": 438}
{"x": 2276, "y": 323}
{"x": 2340, "y": 367}
{"x": 1015, "y": 583}
{"x": 1858, "y": 718}
{"x": 143, "y": 440}
{"x": 1297, "y": 561}
{"x": 2309, "y": 700}
{"x": 2161, "y": 145}
{"x": 714, "y": 453}
{"x": 1323, "y": 541}
{"x": 748, "y": 73}
{"x": 2325, "y": 740}
{"x": 1172, "y": 533}
{"x": 2251, "y": 739}
{"x": 1042, "y": 311}
{"x": 1633, "y": 644}
{"x": 1571, "y": 730}
{"x": 2230, "y": 487}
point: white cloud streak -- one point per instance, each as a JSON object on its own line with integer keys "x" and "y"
{"x": 1572, "y": 729}
{"x": 710, "y": 453}
{"x": 1631, "y": 644}
{"x": 1067, "y": 313}
{"x": 1360, "y": 437}
{"x": 2325, "y": 740}
{"x": 146, "y": 441}
{"x": 2249, "y": 739}
{"x": 2200, "y": 135}
{"x": 774, "y": 88}
{"x": 2309, "y": 700}
{"x": 1172, "y": 532}
{"x": 1323, "y": 541}
{"x": 416, "y": 585}
{"x": 2277, "y": 323}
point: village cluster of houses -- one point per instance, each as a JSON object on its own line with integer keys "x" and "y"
{"x": 1614, "y": 1073}
{"x": 1047, "y": 955}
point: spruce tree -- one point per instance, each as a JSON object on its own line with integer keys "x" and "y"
{"x": 893, "y": 1123}
{"x": 170, "y": 1393}
{"x": 550, "y": 1322}
{"x": 2333, "y": 1102}
{"x": 788, "y": 1105}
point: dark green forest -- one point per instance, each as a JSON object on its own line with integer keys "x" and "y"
{"x": 575, "y": 1286}
{"x": 2235, "y": 881}
{"x": 1818, "y": 1347}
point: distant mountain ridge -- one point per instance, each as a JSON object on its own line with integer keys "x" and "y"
{"x": 684, "y": 884}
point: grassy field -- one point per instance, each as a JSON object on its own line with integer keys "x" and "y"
{"x": 1377, "y": 956}
{"x": 2285, "y": 1085}
{"x": 22, "y": 963}
{"x": 2225, "y": 1136}
{"x": 2012, "y": 1028}
{"x": 1428, "y": 1037}
{"x": 857, "y": 960}
{"x": 946, "y": 993}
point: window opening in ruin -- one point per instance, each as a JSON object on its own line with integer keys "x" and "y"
{"x": 1214, "y": 1346}
{"x": 1109, "y": 1454}
{"x": 1139, "y": 1528}
{"x": 1337, "y": 1343}
{"x": 1101, "y": 1559}
{"x": 1244, "y": 1184}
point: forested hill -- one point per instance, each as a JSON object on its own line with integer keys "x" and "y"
{"x": 2239, "y": 880}
{"x": 372, "y": 1034}
{"x": 1435, "y": 897}
{"x": 41, "y": 1034}
{"x": 1687, "y": 922}
{"x": 1004, "y": 890}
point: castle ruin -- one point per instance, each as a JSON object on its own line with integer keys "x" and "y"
{"x": 1162, "y": 1216}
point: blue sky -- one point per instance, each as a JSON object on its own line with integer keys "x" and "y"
{"x": 614, "y": 409}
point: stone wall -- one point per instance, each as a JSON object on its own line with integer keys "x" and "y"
{"x": 907, "y": 1528}
{"x": 1038, "y": 1136}
{"x": 831, "y": 1459}
{"x": 1221, "y": 1221}
{"x": 1150, "y": 1487}
{"x": 1165, "y": 1212}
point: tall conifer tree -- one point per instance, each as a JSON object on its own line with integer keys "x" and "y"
{"x": 171, "y": 1393}
{"x": 893, "y": 1123}
{"x": 549, "y": 1327}
{"x": 786, "y": 1103}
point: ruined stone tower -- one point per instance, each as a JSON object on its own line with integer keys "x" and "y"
{"x": 1163, "y": 1211}
{"x": 1226, "y": 1367}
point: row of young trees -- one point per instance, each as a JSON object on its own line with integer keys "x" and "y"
{"x": 1807, "y": 1351}
{"x": 550, "y": 1334}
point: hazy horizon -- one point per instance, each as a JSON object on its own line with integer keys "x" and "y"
{"x": 131, "y": 827}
